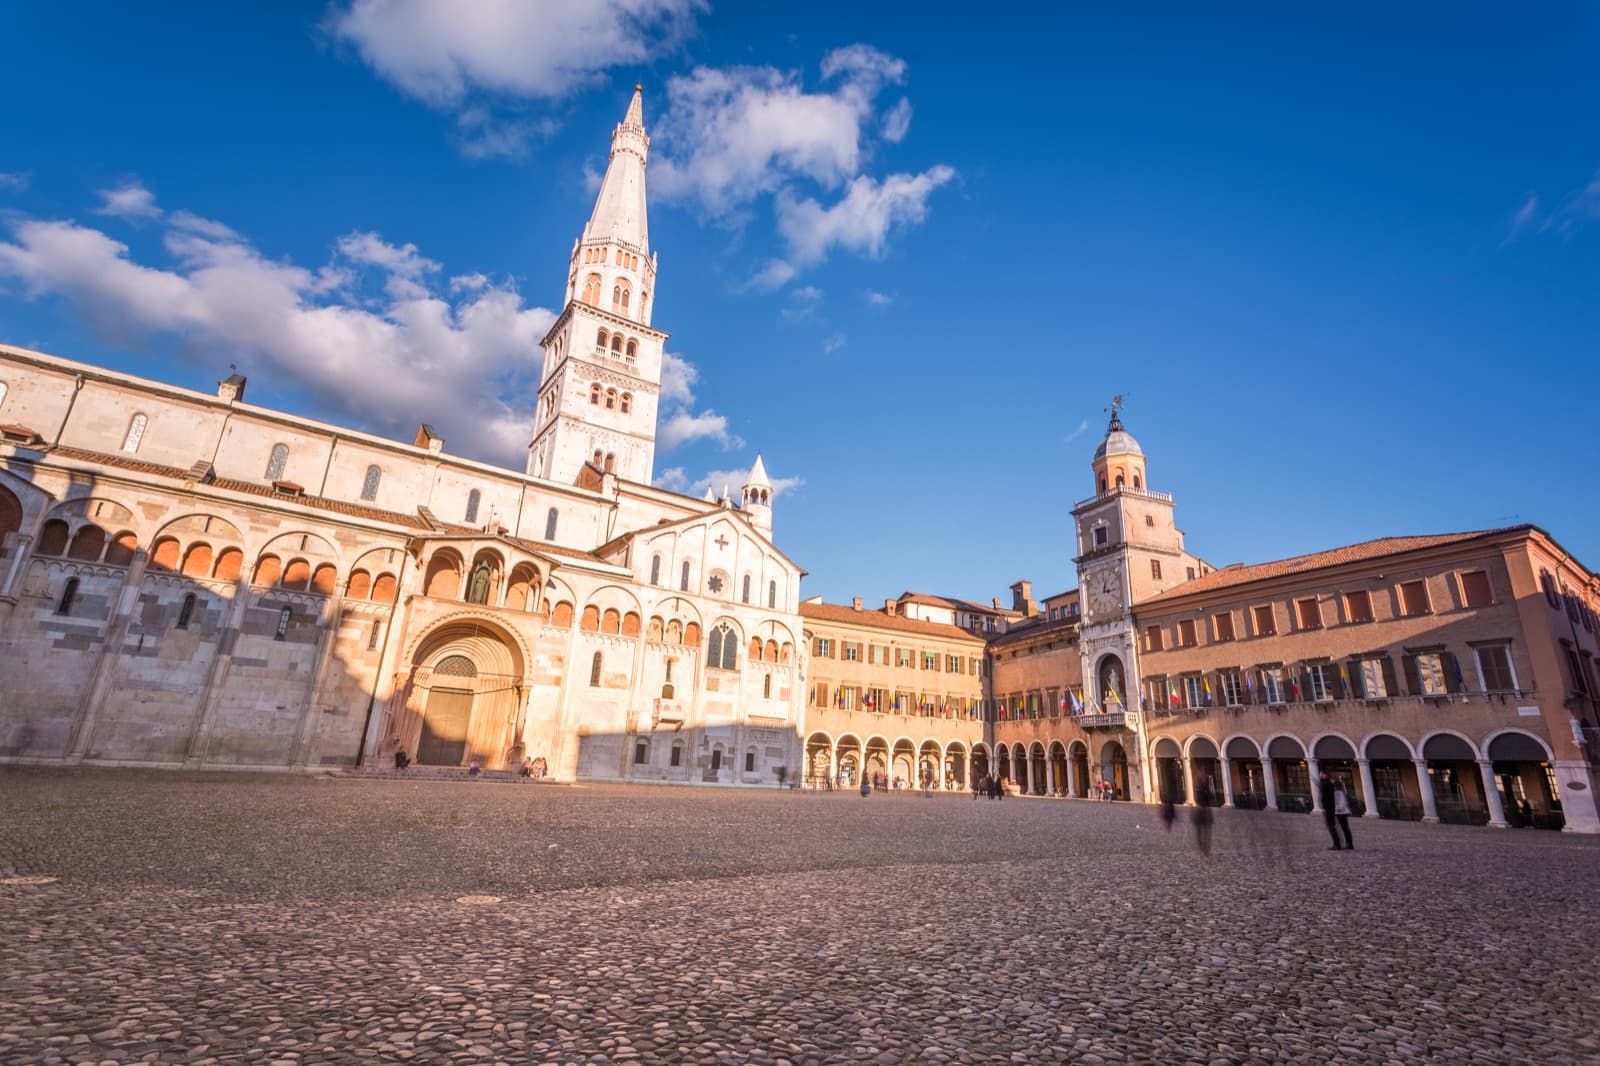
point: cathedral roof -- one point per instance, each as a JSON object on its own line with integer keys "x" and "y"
{"x": 758, "y": 475}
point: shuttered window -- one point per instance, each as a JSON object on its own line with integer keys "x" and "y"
{"x": 1374, "y": 682}
{"x": 1152, "y": 638}
{"x": 1266, "y": 625}
{"x": 1310, "y": 613}
{"x": 1358, "y": 606}
{"x": 1413, "y": 598}
{"x": 1186, "y": 633}
{"x": 1475, "y": 588}
{"x": 1494, "y": 668}
{"x": 1224, "y": 625}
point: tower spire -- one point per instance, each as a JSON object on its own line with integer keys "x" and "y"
{"x": 619, "y": 209}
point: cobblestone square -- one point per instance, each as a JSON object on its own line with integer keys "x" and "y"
{"x": 232, "y": 918}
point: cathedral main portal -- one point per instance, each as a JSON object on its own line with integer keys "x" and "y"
{"x": 463, "y": 697}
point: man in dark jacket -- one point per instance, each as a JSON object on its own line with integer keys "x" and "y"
{"x": 1325, "y": 797}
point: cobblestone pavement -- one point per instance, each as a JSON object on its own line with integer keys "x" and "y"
{"x": 231, "y": 919}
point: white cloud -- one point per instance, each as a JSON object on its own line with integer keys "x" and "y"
{"x": 17, "y": 182}
{"x": 683, "y": 427}
{"x": 833, "y": 343}
{"x": 803, "y": 303}
{"x": 128, "y": 200}
{"x": 373, "y": 250}
{"x": 878, "y": 299}
{"x": 775, "y": 275}
{"x": 469, "y": 366}
{"x": 678, "y": 377}
{"x": 1082, "y": 428}
{"x": 468, "y": 282}
{"x": 531, "y": 49}
{"x": 897, "y": 122}
{"x": 731, "y": 135}
{"x": 205, "y": 227}
{"x": 862, "y": 219}
{"x": 673, "y": 479}
{"x": 734, "y": 479}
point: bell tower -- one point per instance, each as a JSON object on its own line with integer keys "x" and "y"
{"x": 601, "y": 382}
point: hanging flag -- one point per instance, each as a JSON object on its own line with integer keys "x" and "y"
{"x": 1461, "y": 685}
{"x": 1294, "y": 682}
{"x": 1172, "y": 692}
{"x": 1207, "y": 683}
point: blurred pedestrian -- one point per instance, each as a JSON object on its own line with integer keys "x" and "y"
{"x": 1169, "y": 810}
{"x": 1202, "y": 817}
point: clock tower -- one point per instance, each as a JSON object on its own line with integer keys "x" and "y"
{"x": 1129, "y": 549}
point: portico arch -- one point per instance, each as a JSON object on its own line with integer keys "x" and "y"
{"x": 462, "y": 697}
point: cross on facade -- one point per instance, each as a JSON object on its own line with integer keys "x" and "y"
{"x": 721, "y": 541}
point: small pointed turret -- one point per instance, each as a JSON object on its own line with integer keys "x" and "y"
{"x": 756, "y": 497}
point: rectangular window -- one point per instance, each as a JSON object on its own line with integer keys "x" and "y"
{"x": 1223, "y": 624}
{"x": 1232, "y": 692}
{"x": 1413, "y": 598}
{"x": 283, "y": 623}
{"x": 749, "y": 762}
{"x": 1272, "y": 685}
{"x": 1310, "y": 613}
{"x": 1358, "y": 606}
{"x": 1194, "y": 692}
{"x": 1266, "y": 625}
{"x": 824, "y": 648}
{"x": 375, "y": 636}
{"x": 1494, "y": 668}
{"x": 972, "y": 665}
{"x": 930, "y": 660}
{"x": 1317, "y": 678}
{"x": 1152, "y": 638}
{"x": 848, "y": 697}
{"x": 677, "y": 755}
{"x": 1580, "y": 683}
{"x": 852, "y": 653}
{"x": 1186, "y": 633}
{"x": 1475, "y": 588}
{"x": 819, "y": 694}
{"x": 1372, "y": 680}
{"x": 1100, "y": 535}
{"x": 878, "y": 654}
{"x": 903, "y": 659}
{"x": 1190, "y": 571}
{"x": 952, "y": 664}
{"x": 1155, "y": 569}
{"x": 1430, "y": 674}
{"x": 641, "y": 753}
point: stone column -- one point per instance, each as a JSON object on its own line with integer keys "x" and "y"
{"x": 1491, "y": 795}
{"x": 1072, "y": 776}
{"x": 1269, "y": 781}
{"x": 1188, "y": 782}
{"x": 1577, "y": 807}
{"x": 19, "y": 549}
{"x": 1227, "y": 782}
{"x": 1369, "y": 794}
{"x": 1050, "y": 775}
{"x": 1430, "y": 810}
{"x": 833, "y": 763}
{"x": 1314, "y": 768}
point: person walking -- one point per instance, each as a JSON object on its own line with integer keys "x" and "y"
{"x": 1202, "y": 817}
{"x": 1327, "y": 793}
{"x": 1341, "y": 814}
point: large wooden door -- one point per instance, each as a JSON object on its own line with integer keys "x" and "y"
{"x": 444, "y": 727}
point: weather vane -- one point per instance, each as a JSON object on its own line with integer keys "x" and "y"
{"x": 1118, "y": 402}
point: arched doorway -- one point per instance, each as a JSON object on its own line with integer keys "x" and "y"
{"x": 1002, "y": 764}
{"x": 955, "y": 767}
{"x": 1080, "y": 769}
{"x": 462, "y": 701}
{"x": 1058, "y": 767}
{"x": 930, "y": 766}
{"x": 905, "y": 765}
{"x": 1457, "y": 785}
{"x": 877, "y": 758}
{"x": 1394, "y": 778}
{"x": 1244, "y": 766}
{"x": 1036, "y": 769}
{"x": 819, "y": 761}
{"x": 1337, "y": 759}
{"x": 1114, "y": 768}
{"x": 980, "y": 762}
{"x": 1528, "y": 791}
{"x": 1169, "y": 772}
{"x": 1291, "y": 774}
{"x": 1205, "y": 771}
{"x": 850, "y": 761}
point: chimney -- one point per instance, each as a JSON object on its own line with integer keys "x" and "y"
{"x": 231, "y": 388}
{"x": 428, "y": 437}
{"x": 1022, "y": 597}
{"x": 856, "y": 603}
{"x": 890, "y": 606}
{"x": 996, "y": 602}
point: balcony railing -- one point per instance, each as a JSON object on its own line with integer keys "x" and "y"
{"x": 1114, "y": 720}
{"x": 1165, "y": 497}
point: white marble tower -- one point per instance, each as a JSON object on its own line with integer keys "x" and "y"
{"x": 602, "y": 361}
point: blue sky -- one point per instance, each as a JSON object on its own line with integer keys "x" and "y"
{"x": 1343, "y": 260}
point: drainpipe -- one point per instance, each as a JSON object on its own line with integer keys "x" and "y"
{"x": 77, "y": 387}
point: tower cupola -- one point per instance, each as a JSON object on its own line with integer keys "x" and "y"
{"x": 756, "y": 497}
{"x": 1118, "y": 461}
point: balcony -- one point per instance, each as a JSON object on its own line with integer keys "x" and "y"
{"x": 1112, "y": 720}
{"x": 666, "y": 712}
{"x": 1143, "y": 494}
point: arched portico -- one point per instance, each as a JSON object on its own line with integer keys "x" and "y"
{"x": 1114, "y": 768}
{"x": 819, "y": 761}
{"x": 1081, "y": 778}
{"x": 1291, "y": 777}
{"x": 1244, "y": 774}
{"x": 1522, "y": 768}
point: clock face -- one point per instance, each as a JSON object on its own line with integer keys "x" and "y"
{"x": 1105, "y": 592}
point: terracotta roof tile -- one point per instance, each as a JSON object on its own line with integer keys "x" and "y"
{"x": 1239, "y": 574}
{"x": 833, "y": 612}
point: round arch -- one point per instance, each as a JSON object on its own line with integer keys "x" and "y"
{"x": 1516, "y": 747}
{"x": 1446, "y": 750}
{"x": 1333, "y": 739}
{"x": 1385, "y": 745}
{"x": 462, "y": 699}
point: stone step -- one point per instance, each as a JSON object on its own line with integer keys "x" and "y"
{"x": 436, "y": 773}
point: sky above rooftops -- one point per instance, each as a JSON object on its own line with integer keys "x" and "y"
{"x": 1343, "y": 259}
